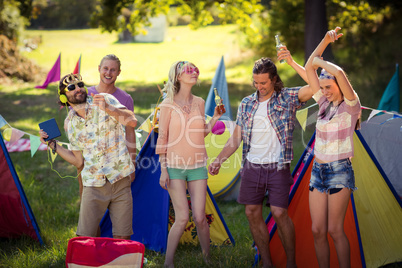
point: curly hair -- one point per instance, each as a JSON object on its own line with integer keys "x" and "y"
{"x": 64, "y": 82}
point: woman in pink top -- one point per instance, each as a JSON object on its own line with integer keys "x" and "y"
{"x": 182, "y": 154}
{"x": 332, "y": 177}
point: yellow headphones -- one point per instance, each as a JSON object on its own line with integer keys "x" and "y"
{"x": 62, "y": 97}
{"x": 71, "y": 79}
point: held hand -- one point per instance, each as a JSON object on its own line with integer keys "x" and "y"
{"x": 43, "y": 135}
{"x": 164, "y": 180}
{"x": 219, "y": 110}
{"x": 316, "y": 62}
{"x": 284, "y": 54}
{"x": 333, "y": 35}
{"x": 99, "y": 100}
{"x": 214, "y": 167}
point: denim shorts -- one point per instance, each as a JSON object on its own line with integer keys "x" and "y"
{"x": 188, "y": 174}
{"x": 333, "y": 175}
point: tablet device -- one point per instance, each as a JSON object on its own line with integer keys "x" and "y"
{"x": 51, "y": 128}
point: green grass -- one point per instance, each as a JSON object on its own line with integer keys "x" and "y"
{"x": 55, "y": 201}
{"x": 141, "y": 62}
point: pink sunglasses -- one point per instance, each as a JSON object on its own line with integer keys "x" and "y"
{"x": 187, "y": 69}
{"x": 190, "y": 70}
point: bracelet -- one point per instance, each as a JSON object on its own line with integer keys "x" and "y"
{"x": 54, "y": 146}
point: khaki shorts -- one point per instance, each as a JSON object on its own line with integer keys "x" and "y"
{"x": 95, "y": 200}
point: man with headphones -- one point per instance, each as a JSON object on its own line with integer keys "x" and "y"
{"x": 96, "y": 133}
{"x": 109, "y": 70}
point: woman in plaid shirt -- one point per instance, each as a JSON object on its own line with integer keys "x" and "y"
{"x": 332, "y": 177}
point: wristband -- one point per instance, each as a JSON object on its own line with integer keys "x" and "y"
{"x": 54, "y": 146}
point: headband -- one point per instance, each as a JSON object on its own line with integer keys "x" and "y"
{"x": 326, "y": 75}
{"x": 179, "y": 66}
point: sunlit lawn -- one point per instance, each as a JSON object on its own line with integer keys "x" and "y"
{"x": 141, "y": 62}
{"x": 55, "y": 201}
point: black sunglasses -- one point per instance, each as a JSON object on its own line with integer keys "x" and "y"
{"x": 72, "y": 87}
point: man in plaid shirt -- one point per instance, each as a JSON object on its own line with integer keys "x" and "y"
{"x": 265, "y": 123}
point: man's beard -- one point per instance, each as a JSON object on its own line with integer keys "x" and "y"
{"x": 78, "y": 100}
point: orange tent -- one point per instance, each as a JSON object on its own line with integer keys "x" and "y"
{"x": 372, "y": 221}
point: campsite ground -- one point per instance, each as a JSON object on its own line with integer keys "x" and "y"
{"x": 55, "y": 200}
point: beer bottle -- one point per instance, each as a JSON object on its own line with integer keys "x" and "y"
{"x": 279, "y": 45}
{"x": 218, "y": 102}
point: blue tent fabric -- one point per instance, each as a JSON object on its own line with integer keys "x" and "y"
{"x": 150, "y": 218}
{"x": 390, "y": 98}
{"x": 219, "y": 82}
{"x": 151, "y": 206}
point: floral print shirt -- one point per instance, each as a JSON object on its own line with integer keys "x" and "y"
{"x": 101, "y": 139}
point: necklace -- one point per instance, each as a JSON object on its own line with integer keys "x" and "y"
{"x": 186, "y": 107}
{"x": 331, "y": 111}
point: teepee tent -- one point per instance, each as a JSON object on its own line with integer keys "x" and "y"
{"x": 372, "y": 222}
{"x": 219, "y": 82}
{"x": 226, "y": 184}
{"x": 152, "y": 212}
{"x": 16, "y": 216}
{"x": 391, "y": 96}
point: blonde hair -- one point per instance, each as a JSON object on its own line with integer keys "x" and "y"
{"x": 111, "y": 57}
{"x": 172, "y": 86}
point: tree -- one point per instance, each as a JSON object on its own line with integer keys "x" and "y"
{"x": 14, "y": 17}
{"x": 316, "y": 25}
{"x": 107, "y": 13}
{"x": 62, "y": 14}
{"x": 303, "y": 23}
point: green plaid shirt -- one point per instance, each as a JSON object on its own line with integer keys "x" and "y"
{"x": 281, "y": 113}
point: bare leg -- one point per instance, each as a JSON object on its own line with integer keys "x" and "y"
{"x": 259, "y": 231}
{"x": 177, "y": 192}
{"x": 337, "y": 206}
{"x": 286, "y": 232}
{"x": 318, "y": 203}
{"x": 198, "y": 190}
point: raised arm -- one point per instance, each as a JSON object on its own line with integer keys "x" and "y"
{"x": 123, "y": 115}
{"x": 341, "y": 78}
{"x": 284, "y": 54}
{"x": 330, "y": 36}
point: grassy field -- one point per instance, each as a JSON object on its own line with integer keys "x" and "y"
{"x": 55, "y": 201}
{"x": 141, "y": 62}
